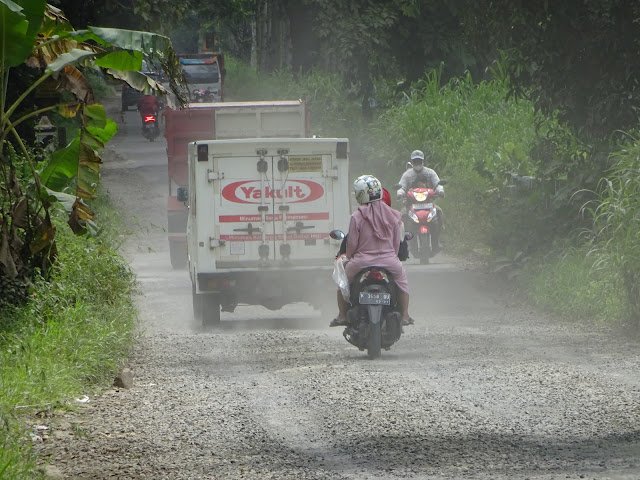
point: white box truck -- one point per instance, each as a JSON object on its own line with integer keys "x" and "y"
{"x": 260, "y": 213}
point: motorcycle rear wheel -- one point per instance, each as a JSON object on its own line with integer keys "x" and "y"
{"x": 374, "y": 342}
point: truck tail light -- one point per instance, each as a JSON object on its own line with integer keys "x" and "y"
{"x": 221, "y": 284}
{"x": 203, "y": 152}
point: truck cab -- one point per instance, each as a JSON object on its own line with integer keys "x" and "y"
{"x": 204, "y": 73}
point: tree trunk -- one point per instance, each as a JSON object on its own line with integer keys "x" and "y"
{"x": 253, "y": 59}
{"x": 273, "y": 36}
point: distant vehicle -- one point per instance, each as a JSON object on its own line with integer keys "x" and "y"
{"x": 423, "y": 221}
{"x": 204, "y": 72}
{"x": 131, "y": 96}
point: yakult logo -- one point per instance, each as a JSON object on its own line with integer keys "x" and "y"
{"x": 294, "y": 191}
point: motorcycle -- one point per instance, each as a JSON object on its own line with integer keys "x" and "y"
{"x": 425, "y": 223}
{"x": 374, "y": 320}
{"x": 150, "y": 128}
{"x": 203, "y": 96}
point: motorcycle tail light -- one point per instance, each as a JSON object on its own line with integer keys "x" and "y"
{"x": 149, "y": 118}
{"x": 375, "y": 275}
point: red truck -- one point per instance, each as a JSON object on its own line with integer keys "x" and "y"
{"x": 218, "y": 121}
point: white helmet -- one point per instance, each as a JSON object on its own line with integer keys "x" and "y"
{"x": 367, "y": 189}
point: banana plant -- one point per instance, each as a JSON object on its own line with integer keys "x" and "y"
{"x": 37, "y": 34}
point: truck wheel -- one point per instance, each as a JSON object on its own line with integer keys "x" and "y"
{"x": 197, "y": 304}
{"x": 210, "y": 311}
{"x": 178, "y": 255}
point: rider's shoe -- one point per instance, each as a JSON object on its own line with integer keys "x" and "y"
{"x": 407, "y": 322}
{"x": 336, "y": 322}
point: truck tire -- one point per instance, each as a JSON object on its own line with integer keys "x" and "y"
{"x": 197, "y": 304}
{"x": 210, "y": 311}
{"x": 178, "y": 255}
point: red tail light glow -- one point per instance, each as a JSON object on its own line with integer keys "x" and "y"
{"x": 375, "y": 275}
{"x": 149, "y": 118}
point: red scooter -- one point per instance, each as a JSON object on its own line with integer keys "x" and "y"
{"x": 423, "y": 221}
{"x": 150, "y": 128}
{"x": 149, "y": 107}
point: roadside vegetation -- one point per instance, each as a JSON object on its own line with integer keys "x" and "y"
{"x": 514, "y": 198}
{"x": 68, "y": 340}
{"x": 67, "y": 315}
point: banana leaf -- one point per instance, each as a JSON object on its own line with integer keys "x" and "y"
{"x": 20, "y": 23}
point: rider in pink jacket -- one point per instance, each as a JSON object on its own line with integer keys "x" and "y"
{"x": 375, "y": 233}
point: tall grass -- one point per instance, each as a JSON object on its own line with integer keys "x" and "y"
{"x": 466, "y": 126}
{"x": 616, "y": 218}
{"x": 70, "y": 338}
{"x": 565, "y": 282}
{"x": 475, "y": 138}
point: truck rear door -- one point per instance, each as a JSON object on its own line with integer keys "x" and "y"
{"x": 277, "y": 206}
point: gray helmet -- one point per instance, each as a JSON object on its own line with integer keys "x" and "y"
{"x": 417, "y": 155}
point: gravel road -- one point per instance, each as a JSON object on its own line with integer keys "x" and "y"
{"x": 482, "y": 387}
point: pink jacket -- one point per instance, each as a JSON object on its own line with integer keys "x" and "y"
{"x": 375, "y": 233}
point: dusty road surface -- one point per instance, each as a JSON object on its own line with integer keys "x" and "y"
{"x": 480, "y": 388}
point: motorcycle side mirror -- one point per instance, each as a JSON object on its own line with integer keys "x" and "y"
{"x": 182, "y": 194}
{"x": 408, "y": 236}
{"x": 409, "y": 165}
{"x": 336, "y": 234}
{"x": 443, "y": 182}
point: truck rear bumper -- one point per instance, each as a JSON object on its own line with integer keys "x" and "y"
{"x": 271, "y": 288}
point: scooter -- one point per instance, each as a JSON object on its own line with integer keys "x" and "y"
{"x": 150, "y": 128}
{"x": 203, "y": 96}
{"x": 423, "y": 220}
{"x": 374, "y": 321}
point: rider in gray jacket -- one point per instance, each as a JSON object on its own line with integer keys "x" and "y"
{"x": 417, "y": 175}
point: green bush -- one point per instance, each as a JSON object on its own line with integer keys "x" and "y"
{"x": 70, "y": 337}
{"x": 476, "y": 139}
{"x": 465, "y": 126}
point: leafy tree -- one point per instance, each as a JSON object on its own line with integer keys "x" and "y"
{"x": 578, "y": 57}
{"x": 39, "y": 34}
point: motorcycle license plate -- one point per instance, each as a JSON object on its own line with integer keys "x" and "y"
{"x": 422, "y": 206}
{"x": 367, "y": 298}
